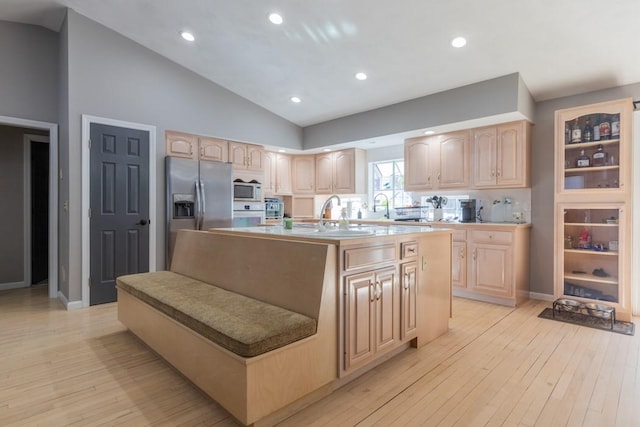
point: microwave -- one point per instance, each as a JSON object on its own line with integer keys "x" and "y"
{"x": 248, "y": 191}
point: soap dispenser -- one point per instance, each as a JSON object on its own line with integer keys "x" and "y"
{"x": 343, "y": 222}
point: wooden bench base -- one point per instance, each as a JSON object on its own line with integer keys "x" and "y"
{"x": 260, "y": 388}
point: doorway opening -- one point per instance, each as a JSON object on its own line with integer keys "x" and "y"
{"x": 38, "y": 212}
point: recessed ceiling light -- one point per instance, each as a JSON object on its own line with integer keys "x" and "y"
{"x": 295, "y": 99}
{"x": 282, "y": 151}
{"x": 458, "y": 42}
{"x": 187, "y": 36}
{"x": 429, "y": 132}
{"x": 361, "y": 76}
{"x": 275, "y": 18}
{"x": 327, "y": 149}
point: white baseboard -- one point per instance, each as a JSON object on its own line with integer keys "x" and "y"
{"x": 13, "y": 285}
{"x": 73, "y": 305}
{"x": 542, "y": 297}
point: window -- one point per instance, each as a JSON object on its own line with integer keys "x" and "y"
{"x": 388, "y": 178}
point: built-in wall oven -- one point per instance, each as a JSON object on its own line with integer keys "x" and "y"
{"x": 248, "y": 214}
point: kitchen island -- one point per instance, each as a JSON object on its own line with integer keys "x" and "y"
{"x": 393, "y": 286}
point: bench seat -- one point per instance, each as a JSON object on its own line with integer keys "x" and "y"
{"x": 243, "y": 325}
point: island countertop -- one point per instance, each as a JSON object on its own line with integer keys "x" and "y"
{"x": 308, "y": 232}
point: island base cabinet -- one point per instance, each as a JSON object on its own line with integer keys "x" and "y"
{"x": 372, "y": 315}
{"x": 409, "y": 296}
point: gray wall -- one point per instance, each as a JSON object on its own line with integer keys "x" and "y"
{"x": 542, "y": 189}
{"x": 111, "y": 76}
{"x": 28, "y": 72}
{"x": 12, "y": 216}
{"x": 479, "y": 100}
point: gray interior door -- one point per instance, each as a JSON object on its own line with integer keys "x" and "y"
{"x": 119, "y": 202}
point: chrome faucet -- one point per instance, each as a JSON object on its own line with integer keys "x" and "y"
{"x": 386, "y": 198}
{"x": 324, "y": 206}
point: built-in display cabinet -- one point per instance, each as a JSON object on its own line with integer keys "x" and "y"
{"x": 593, "y": 204}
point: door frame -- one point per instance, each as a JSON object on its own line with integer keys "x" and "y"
{"x": 27, "y": 140}
{"x": 635, "y": 221}
{"x": 53, "y": 192}
{"x": 87, "y": 121}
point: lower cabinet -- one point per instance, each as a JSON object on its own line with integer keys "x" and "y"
{"x": 491, "y": 269}
{"x": 372, "y": 313}
{"x": 491, "y": 263}
{"x": 409, "y": 297}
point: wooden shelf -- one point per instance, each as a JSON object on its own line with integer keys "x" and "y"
{"x": 591, "y": 278}
{"x": 590, "y": 252}
{"x": 590, "y": 224}
{"x": 582, "y": 145}
{"x": 591, "y": 169}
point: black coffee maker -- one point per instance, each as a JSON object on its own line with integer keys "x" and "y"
{"x": 468, "y": 208}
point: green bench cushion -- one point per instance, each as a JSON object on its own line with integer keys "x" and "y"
{"x": 243, "y": 325}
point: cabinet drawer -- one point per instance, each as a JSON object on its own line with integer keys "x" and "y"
{"x": 492, "y": 236}
{"x": 363, "y": 257}
{"x": 460, "y": 235}
{"x": 408, "y": 250}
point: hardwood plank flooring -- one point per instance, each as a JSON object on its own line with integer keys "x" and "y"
{"x": 497, "y": 366}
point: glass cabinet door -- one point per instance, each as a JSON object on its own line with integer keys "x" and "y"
{"x": 591, "y": 244}
{"x": 593, "y": 149}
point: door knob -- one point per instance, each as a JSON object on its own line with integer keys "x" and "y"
{"x": 143, "y": 222}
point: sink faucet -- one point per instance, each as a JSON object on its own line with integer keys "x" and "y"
{"x": 386, "y": 198}
{"x": 324, "y": 206}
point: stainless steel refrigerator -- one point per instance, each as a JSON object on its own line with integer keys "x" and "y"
{"x": 199, "y": 197}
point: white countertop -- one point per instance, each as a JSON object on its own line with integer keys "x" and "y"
{"x": 309, "y": 231}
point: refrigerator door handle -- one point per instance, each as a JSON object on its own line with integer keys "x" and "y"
{"x": 202, "y": 205}
{"x": 198, "y": 205}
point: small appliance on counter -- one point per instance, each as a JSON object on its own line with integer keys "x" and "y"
{"x": 468, "y": 209}
{"x": 410, "y": 213}
{"x": 273, "y": 208}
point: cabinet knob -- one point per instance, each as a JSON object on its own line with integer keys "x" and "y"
{"x": 378, "y": 293}
{"x": 406, "y": 281}
{"x": 498, "y": 173}
{"x": 438, "y": 177}
{"x": 372, "y": 292}
{"x": 475, "y": 254}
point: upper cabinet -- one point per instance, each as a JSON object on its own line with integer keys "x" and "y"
{"x": 195, "y": 147}
{"x": 277, "y": 174}
{"x": 246, "y": 156}
{"x": 304, "y": 174}
{"x": 501, "y": 156}
{"x": 593, "y": 151}
{"x": 437, "y": 162}
{"x": 340, "y": 172}
{"x": 214, "y": 149}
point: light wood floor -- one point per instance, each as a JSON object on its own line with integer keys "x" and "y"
{"x": 496, "y": 366}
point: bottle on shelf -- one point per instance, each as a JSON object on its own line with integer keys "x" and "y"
{"x": 587, "y": 132}
{"x": 615, "y": 126}
{"x": 596, "y": 130}
{"x": 584, "y": 240}
{"x": 583, "y": 161}
{"x": 605, "y": 129}
{"x": 600, "y": 157}
{"x": 576, "y": 133}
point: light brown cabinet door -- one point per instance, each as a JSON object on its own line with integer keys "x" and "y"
{"x": 511, "y": 156}
{"x": 360, "y": 328}
{"x": 454, "y": 169}
{"x": 417, "y": 165}
{"x": 269, "y": 180}
{"x": 255, "y": 158}
{"x": 344, "y": 180}
{"x": 491, "y": 269}
{"x": 459, "y": 264}
{"x": 484, "y": 164}
{"x": 213, "y": 149}
{"x": 238, "y": 155}
{"x": 324, "y": 173}
{"x": 409, "y": 295}
{"x": 181, "y": 145}
{"x": 283, "y": 174}
{"x": 304, "y": 174}
{"x": 387, "y": 309}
